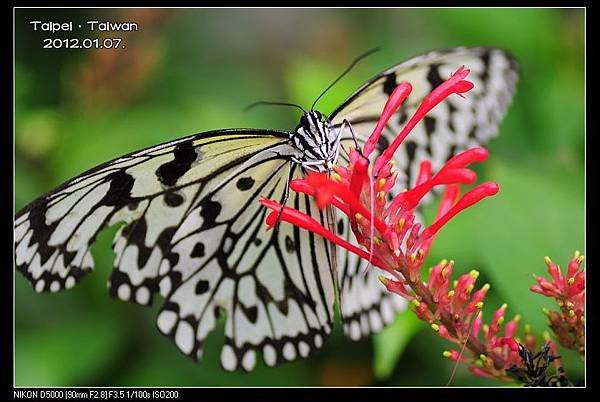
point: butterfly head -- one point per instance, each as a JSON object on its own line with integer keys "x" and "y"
{"x": 317, "y": 141}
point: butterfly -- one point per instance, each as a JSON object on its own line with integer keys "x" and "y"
{"x": 191, "y": 228}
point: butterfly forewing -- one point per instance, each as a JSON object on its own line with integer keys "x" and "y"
{"x": 454, "y": 125}
{"x": 194, "y": 231}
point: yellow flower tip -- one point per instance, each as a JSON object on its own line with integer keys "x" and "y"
{"x": 383, "y": 280}
{"x": 571, "y": 281}
{"x": 474, "y": 274}
{"x": 358, "y": 216}
{"x": 517, "y": 318}
{"x": 451, "y": 262}
{"x": 444, "y": 262}
{"x": 377, "y": 240}
{"x": 571, "y": 313}
{"x": 479, "y": 363}
{"x": 518, "y": 339}
{"x": 577, "y": 254}
{"x": 401, "y": 223}
{"x": 483, "y": 358}
{"x": 546, "y": 336}
{"x": 500, "y": 320}
{"x": 381, "y": 183}
{"x": 446, "y": 354}
{"x": 504, "y": 306}
{"x": 455, "y": 282}
{"x": 412, "y": 257}
{"x": 547, "y": 260}
{"x": 479, "y": 305}
{"x": 486, "y": 287}
{"x": 485, "y": 328}
{"x": 580, "y": 259}
{"x": 444, "y": 272}
{"x": 560, "y": 303}
{"x": 451, "y": 294}
{"x": 527, "y": 328}
{"x": 470, "y": 288}
{"x": 415, "y": 303}
{"x": 435, "y": 327}
{"x": 336, "y": 177}
{"x": 420, "y": 252}
{"x": 545, "y": 311}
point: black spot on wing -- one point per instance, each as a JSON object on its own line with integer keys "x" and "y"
{"x": 429, "y": 125}
{"x": 173, "y": 259}
{"x": 245, "y": 183}
{"x": 485, "y": 58}
{"x": 382, "y": 143}
{"x": 250, "y": 312}
{"x": 135, "y": 233}
{"x": 119, "y": 192}
{"x": 198, "y": 251}
{"x": 184, "y": 154}
{"x": 289, "y": 244}
{"x": 433, "y": 76}
{"x": 209, "y": 211}
{"x": 402, "y": 115}
{"x": 202, "y": 287}
{"x": 390, "y": 83}
{"x": 173, "y": 199}
{"x": 411, "y": 149}
{"x": 340, "y": 226}
{"x": 263, "y": 293}
{"x": 41, "y": 232}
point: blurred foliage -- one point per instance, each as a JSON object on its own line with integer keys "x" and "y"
{"x": 189, "y": 71}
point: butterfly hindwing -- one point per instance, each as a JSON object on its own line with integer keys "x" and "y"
{"x": 454, "y": 125}
{"x": 275, "y": 287}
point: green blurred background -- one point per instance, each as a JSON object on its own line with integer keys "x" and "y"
{"x": 188, "y": 71}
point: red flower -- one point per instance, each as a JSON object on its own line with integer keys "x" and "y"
{"x": 569, "y": 293}
{"x": 389, "y": 237}
{"x": 387, "y": 230}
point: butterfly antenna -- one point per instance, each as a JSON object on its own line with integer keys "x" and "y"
{"x": 262, "y": 103}
{"x": 359, "y": 58}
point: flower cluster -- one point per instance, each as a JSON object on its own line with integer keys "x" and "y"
{"x": 569, "y": 293}
{"x": 455, "y": 315}
{"x": 390, "y": 237}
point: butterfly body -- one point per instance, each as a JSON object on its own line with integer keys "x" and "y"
{"x": 192, "y": 231}
{"x": 317, "y": 140}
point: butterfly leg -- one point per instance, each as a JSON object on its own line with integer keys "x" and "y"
{"x": 347, "y": 124}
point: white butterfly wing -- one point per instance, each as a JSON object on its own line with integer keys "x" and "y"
{"x": 194, "y": 231}
{"x": 452, "y": 126}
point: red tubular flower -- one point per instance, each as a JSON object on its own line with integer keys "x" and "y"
{"x": 569, "y": 293}
{"x": 389, "y": 237}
